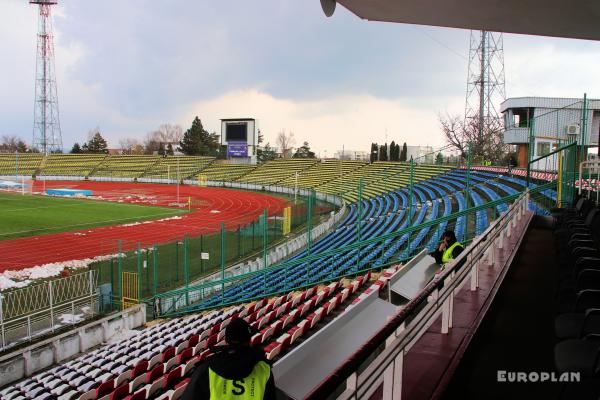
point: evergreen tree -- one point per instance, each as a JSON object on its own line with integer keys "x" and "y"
{"x": 393, "y": 155}
{"x": 404, "y": 152}
{"x": 84, "y": 148}
{"x": 197, "y": 141}
{"x": 170, "y": 151}
{"x": 97, "y": 144}
{"x": 374, "y": 152}
{"x": 21, "y": 146}
{"x": 76, "y": 149}
{"x": 304, "y": 152}
{"x": 439, "y": 159}
{"x": 383, "y": 156}
{"x": 266, "y": 154}
{"x": 261, "y": 137}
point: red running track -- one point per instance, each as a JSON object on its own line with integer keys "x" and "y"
{"x": 210, "y": 207}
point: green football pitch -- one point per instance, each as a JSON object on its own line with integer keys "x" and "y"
{"x": 28, "y": 215}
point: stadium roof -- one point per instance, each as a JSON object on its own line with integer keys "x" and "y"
{"x": 548, "y": 102}
{"x": 578, "y": 19}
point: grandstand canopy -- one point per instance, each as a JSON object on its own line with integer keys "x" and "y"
{"x": 578, "y": 19}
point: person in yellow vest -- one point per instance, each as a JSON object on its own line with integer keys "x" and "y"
{"x": 448, "y": 249}
{"x": 236, "y": 371}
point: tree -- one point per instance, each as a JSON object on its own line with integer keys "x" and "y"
{"x": 486, "y": 144}
{"x": 261, "y": 137}
{"x": 197, "y": 141}
{"x": 96, "y": 144}
{"x": 404, "y": 152}
{"x": 304, "y": 151}
{"x": 383, "y": 154}
{"x": 10, "y": 144}
{"x": 286, "y": 142}
{"x": 374, "y": 152}
{"x": 127, "y": 145}
{"x": 393, "y": 155}
{"x": 76, "y": 149}
{"x": 265, "y": 154}
{"x": 170, "y": 151}
{"x": 439, "y": 159}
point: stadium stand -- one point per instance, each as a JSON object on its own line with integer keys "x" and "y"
{"x": 167, "y": 167}
{"x": 379, "y": 178}
{"x": 323, "y": 172}
{"x": 275, "y": 171}
{"x": 125, "y": 166}
{"x": 20, "y": 164}
{"x": 225, "y": 172}
{"x": 158, "y": 361}
{"x": 70, "y": 164}
{"x": 380, "y": 215}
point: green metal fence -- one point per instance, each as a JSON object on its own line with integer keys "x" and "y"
{"x": 176, "y": 264}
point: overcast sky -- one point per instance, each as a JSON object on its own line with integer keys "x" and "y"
{"x": 129, "y": 66}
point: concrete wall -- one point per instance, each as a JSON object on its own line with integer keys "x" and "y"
{"x": 44, "y": 354}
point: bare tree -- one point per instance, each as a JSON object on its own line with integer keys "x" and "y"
{"x": 285, "y": 142}
{"x": 486, "y": 145}
{"x": 127, "y": 145}
{"x": 12, "y": 143}
{"x": 159, "y": 139}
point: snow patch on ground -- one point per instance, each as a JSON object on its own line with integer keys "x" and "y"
{"x": 149, "y": 222}
{"x": 16, "y": 279}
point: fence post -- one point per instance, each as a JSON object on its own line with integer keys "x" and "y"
{"x": 2, "y": 320}
{"x": 223, "y": 261}
{"x": 359, "y": 219}
{"x": 120, "y": 272}
{"x": 139, "y": 272}
{"x": 91, "y": 286}
{"x": 51, "y": 302}
{"x": 309, "y": 223}
{"x": 186, "y": 269}
{"x": 265, "y": 238}
{"x": 154, "y": 270}
{"x": 239, "y": 242}
{"x": 468, "y": 189}
{"x": 201, "y": 251}
{"x": 583, "y": 131}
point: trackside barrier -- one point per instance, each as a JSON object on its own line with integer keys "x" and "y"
{"x": 361, "y": 375}
{"x": 46, "y": 307}
{"x": 276, "y": 254}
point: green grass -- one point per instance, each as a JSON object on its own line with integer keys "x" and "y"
{"x": 33, "y": 215}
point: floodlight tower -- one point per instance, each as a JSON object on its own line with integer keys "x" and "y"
{"x": 46, "y": 124}
{"x": 485, "y": 82}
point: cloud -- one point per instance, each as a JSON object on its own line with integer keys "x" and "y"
{"x": 352, "y": 121}
{"x": 127, "y": 67}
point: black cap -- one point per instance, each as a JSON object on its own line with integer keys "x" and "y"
{"x": 238, "y": 332}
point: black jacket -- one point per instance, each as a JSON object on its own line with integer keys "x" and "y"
{"x": 437, "y": 254}
{"x": 230, "y": 362}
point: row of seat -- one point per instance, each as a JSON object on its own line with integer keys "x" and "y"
{"x": 577, "y": 324}
{"x": 158, "y": 361}
{"x": 381, "y": 215}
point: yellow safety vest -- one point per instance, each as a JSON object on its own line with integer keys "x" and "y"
{"x": 251, "y": 387}
{"x": 447, "y": 256}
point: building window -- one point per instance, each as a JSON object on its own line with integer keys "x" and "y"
{"x": 543, "y": 148}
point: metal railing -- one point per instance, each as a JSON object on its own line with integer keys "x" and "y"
{"x": 43, "y": 308}
{"x": 363, "y": 373}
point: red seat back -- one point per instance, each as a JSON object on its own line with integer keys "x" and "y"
{"x": 105, "y": 388}
{"x": 121, "y": 392}
{"x": 139, "y": 368}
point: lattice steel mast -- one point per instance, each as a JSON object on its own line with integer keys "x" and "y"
{"x": 46, "y": 126}
{"x": 485, "y": 82}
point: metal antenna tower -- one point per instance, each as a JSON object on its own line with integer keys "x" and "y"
{"x": 46, "y": 124}
{"x": 485, "y": 82}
